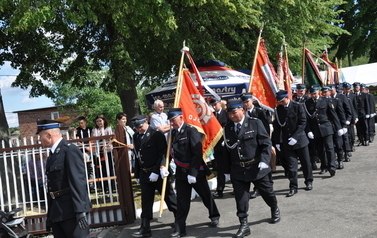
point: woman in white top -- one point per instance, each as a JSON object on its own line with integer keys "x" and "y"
{"x": 102, "y": 128}
{"x": 105, "y": 165}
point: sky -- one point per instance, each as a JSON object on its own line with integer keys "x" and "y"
{"x": 17, "y": 99}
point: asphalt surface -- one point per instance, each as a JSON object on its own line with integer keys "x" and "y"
{"x": 339, "y": 206}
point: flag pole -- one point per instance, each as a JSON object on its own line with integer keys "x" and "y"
{"x": 287, "y": 79}
{"x": 255, "y": 57}
{"x": 303, "y": 60}
{"x": 176, "y": 104}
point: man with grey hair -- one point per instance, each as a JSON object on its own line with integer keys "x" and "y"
{"x": 159, "y": 119}
{"x": 68, "y": 200}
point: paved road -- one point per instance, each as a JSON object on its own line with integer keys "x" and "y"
{"x": 339, "y": 206}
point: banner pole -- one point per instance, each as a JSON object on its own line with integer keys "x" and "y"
{"x": 176, "y": 104}
{"x": 255, "y": 58}
{"x": 303, "y": 60}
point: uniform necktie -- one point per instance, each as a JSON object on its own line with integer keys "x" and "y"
{"x": 238, "y": 128}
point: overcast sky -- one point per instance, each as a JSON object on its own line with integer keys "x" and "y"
{"x": 16, "y": 99}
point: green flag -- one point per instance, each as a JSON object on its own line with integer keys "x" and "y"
{"x": 312, "y": 76}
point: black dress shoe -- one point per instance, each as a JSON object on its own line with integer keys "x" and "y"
{"x": 292, "y": 192}
{"x": 275, "y": 215}
{"x": 340, "y": 165}
{"x": 314, "y": 166}
{"x": 215, "y": 222}
{"x": 254, "y": 194}
{"x": 323, "y": 171}
{"x": 177, "y": 234}
{"x": 349, "y": 154}
{"x": 309, "y": 186}
{"x": 218, "y": 194}
{"x": 332, "y": 172}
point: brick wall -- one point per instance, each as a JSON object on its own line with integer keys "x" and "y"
{"x": 28, "y": 119}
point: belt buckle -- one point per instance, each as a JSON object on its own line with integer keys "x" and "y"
{"x": 52, "y": 195}
{"x": 242, "y": 164}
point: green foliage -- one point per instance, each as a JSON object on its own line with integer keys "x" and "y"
{"x": 359, "y": 19}
{"x": 13, "y": 129}
{"x": 90, "y": 100}
{"x": 65, "y": 41}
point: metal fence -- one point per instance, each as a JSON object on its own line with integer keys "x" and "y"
{"x": 23, "y": 180}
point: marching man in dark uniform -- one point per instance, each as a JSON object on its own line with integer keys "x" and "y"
{"x": 150, "y": 146}
{"x": 247, "y": 157}
{"x": 363, "y": 113}
{"x": 261, "y": 114}
{"x": 300, "y": 95}
{"x": 68, "y": 200}
{"x": 354, "y": 119}
{"x": 372, "y": 113}
{"x": 222, "y": 117}
{"x": 344, "y": 144}
{"x": 322, "y": 124}
{"x": 289, "y": 136}
{"x": 190, "y": 173}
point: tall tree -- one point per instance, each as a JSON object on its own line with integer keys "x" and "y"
{"x": 359, "y": 19}
{"x": 139, "y": 40}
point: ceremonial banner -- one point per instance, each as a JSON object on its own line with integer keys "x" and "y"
{"x": 284, "y": 74}
{"x": 264, "y": 78}
{"x": 197, "y": 113}
{"x": 312, "y": 76}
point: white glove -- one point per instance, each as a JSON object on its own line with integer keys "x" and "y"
{"x": 262, "y": 165}
{"x": 356, "y": 120}
{"x": 271, "y": 128}
{"x": 153, "y": 177}
{"x": 292, "y": 141}
{"x": 277, "y": 147}
{"x": 137, "y": 180}
{"x": 227, "y": 177}
{"x": 373, "y": 115}
{"x": 164, "y": 172}
{"x": 345, "y": 131}
{"x": 367, "y": 116}
{"x": 310, "y": 135}
{"x": 348, "y": 122}
{"x": 191, "y": 179}
{"x": 340, "y": 132}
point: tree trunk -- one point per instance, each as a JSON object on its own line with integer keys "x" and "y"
{"x": 349, "y": 59}
{"x": 129, "y": 100}
{"x": 4, "y": 128}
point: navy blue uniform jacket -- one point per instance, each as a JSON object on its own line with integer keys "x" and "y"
{"x": 252, "y": 142}
{"x": 65, "y": 168}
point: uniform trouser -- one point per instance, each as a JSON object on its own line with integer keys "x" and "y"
{"x": 371, "y": 126}
{"x": 291, "y": 156}
{"x": 69, "y": 229}
{"x": 351, "y": 135}
{"x": 338, "y": 143}
{"x": 362, "y": 129}
{"x": 242, "y": 196}
{"x": 325, "y": 148}
{"x": 312, "y": 152}
{"x": 346, "y": 142}
{"x": 219, "y": 160}
{"x": 147, "y": 197}
{"x": 184, "y": 198}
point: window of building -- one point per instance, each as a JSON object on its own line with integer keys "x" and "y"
{"x": 54, "y": 115}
